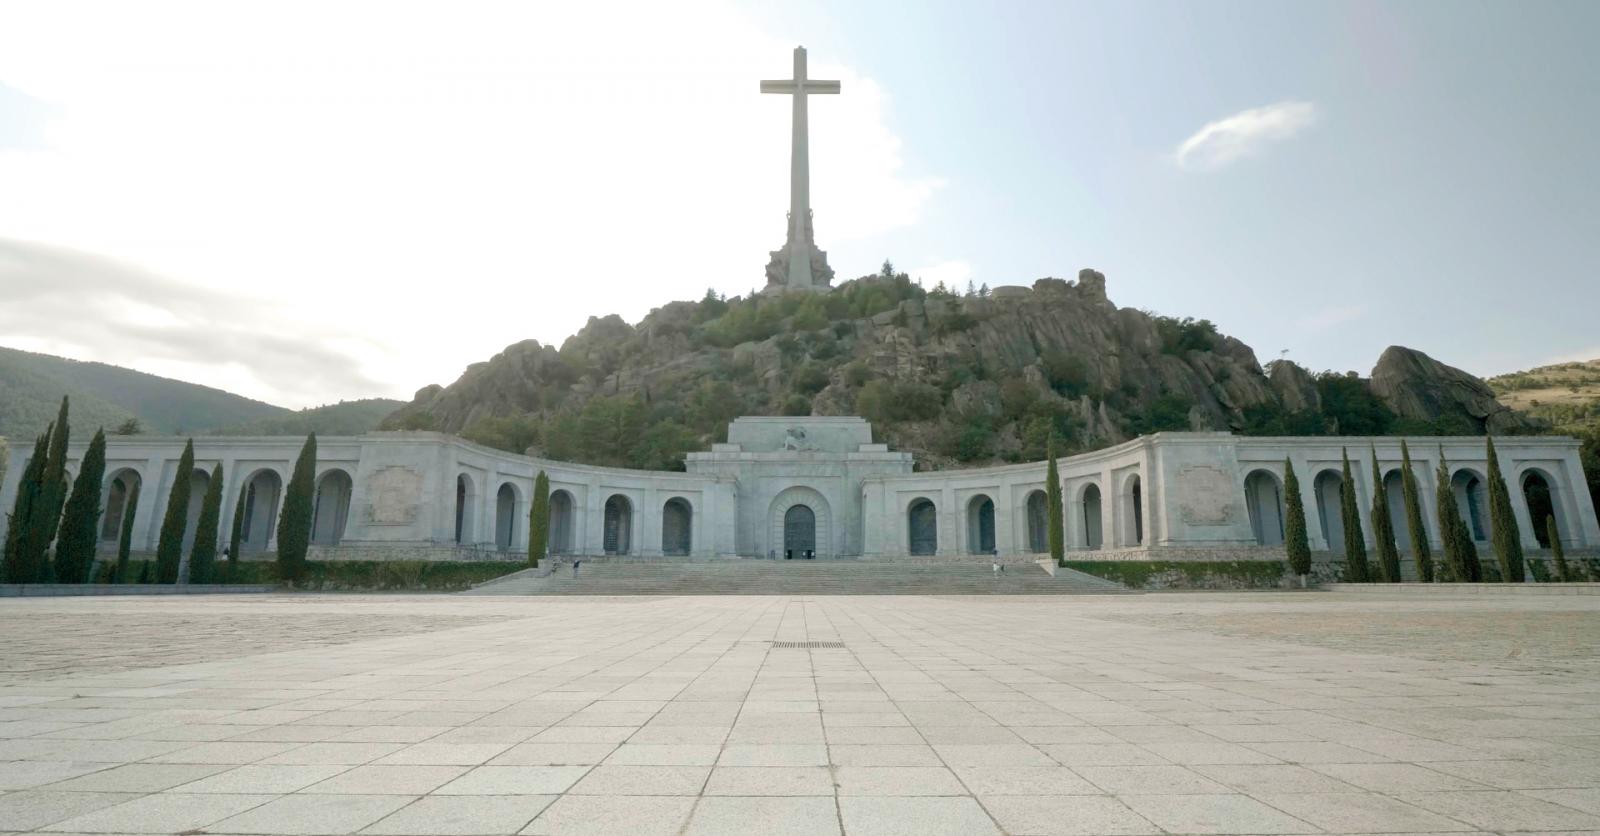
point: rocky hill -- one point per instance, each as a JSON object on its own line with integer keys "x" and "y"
{"x": 956, "y": 379}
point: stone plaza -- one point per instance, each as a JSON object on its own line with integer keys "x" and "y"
{"x": 1332, "y": 712}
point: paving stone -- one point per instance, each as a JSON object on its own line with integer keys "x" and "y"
{"x": 1500, "y": 810}
{"x": 1081, "y": 815}
{"x": 1169, "y": 779}
{"x": 311, "y": 815}
{"x": 1356, "y": 812}
{"x": 880, "y": 816}
{"x": 263, "y": 778}
{"x": 897, "y": 780}
{"x": 643, "y": 780}
{"x": 767, "y": 816}
{"x": 380, "y": 779}
{"x": 770, "y": 781}
{"x": 874, "y": 754}
{"x": 608, "y": 815}
{"x": 138, "y": 777}
{"x": 1214, "y": 814}
{"x": 514, "y": 780}
{"x": 161, "y": 813}
{"x": 30, "y": 809}
{"x": 463, "y": 816}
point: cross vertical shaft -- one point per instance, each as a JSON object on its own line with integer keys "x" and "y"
{"x": 800, "y": 245}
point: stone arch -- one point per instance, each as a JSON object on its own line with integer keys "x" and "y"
{"x": 466, "y": 505}
{"x": 1263, "y": 499}
{"x": 1038, "y": 522}
{"x": 677, "y": 526}
{"x": 262, "y": 493}
{"x": 199, "y": 483}
{"x": 121, "y": 497}
{"x": 922, "y": 527}
{"x": 1132, "y": 516}
{"x": 778, "y": 515}
{"x": 330, "y": 509}
{"x": 1395, "y": 491}
{"x": 1471, "y": 491}
{"x": 618, "y": 531}
{"x": 562, "y": 523}
{"x": 505, "y": 517}
{"x": 1330, "y": 511}
{"x": 1539, "y": 493}
{"x": 1089, "y": 503}
{"x": 980, "y": 525}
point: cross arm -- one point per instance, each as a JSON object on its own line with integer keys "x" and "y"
{"x": 822, "y": 86}
{"x": 777, "y": 87}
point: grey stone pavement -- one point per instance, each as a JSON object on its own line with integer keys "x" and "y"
{"x": 1191, "y": 713}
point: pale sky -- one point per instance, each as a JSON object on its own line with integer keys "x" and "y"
{"x": 307, "y": 202}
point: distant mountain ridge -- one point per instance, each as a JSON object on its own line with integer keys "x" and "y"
{"x": 103, "y": 395}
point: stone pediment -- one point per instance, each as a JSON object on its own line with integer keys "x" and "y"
{"x": 803, "y": 434}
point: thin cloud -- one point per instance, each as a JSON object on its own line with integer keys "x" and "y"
{"x": 63, "y": 301}
{"x": 1329, "y": 317}
{"x": 1244, "y": 133}
{"x": 955, "y": 273}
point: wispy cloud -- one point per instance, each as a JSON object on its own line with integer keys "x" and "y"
{"x": 1234, "y": 137}
{"x": 1329, "y": 317}
{"x": 954, "y": 273}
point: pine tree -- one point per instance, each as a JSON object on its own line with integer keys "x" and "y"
{"x": 45, "y": 520}
{"x": 1055, "y": 528}
{"x": 539, "y": 520}
{"x": 203, "y": 555}
{"x": 1296, "y": 543}
{"x": 235, "y": 537}
{"x": 294, "y": 523}
{"x": 1460, "y": 555}
{"x": 1355, "y": 545}
{"x": 130, "y": 506}
{"x": 80, "y": 523}
{"x": 1414, "y": 528}
{"x": 169, "y": 548}
{"x": 1503, "y": 522}
{"x": 1557, "y": 553}
{"x": 1383, "y": 527}
{"x": 14, "y": 567}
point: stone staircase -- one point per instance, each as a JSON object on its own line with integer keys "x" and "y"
{"x": 683, "y": 576}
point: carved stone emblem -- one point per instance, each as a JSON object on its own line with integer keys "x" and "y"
{"x": 396, "y": 494}
{"x": 1207, "y": 496}
{"x": 795, "y": 439}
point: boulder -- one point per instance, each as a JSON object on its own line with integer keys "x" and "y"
{"x": 1417, "y": 386}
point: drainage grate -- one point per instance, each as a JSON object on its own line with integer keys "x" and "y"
{"x": 808, "y": 645}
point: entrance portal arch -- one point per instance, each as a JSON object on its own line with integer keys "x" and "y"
{"x": 780, "y": 520}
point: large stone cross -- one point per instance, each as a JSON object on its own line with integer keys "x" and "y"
{"x": 800, "y": 246}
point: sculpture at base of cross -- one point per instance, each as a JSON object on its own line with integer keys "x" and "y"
{"x": 778, "y": 264}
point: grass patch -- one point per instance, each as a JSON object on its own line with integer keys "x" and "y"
{"x": 1185, "y": 574}
{"x": 362, "y": 575}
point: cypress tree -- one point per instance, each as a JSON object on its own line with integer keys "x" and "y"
{"x": 14, "y": 567}
{"x": 1460, "y": 555}
{"x": 1055, "y": 529}
{"x": 1355, "y": 546}
{"x": 169, "y": 548}
{"x": 45, "y": 520}
{"x": 144, "y": 572}
{"x": 235, "y": 536}
{"x": 81, "y": 521}
{"x": 1503, "y": 520}
{"x": 1383, "y": 527}
{"x": 130, "y": 506}
{"x": 1296, "y": 543}
{"x": 203, "y": 555}
{"x": 1557, "y": 553}
{"x": 294, "y": 523}
{"x": 1414, "y": 528}
{"x": 539, "y": 520}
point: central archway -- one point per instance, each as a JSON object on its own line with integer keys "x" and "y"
{"x": 778, "y": 519}
{"x": 676, "y": 527}
{"x": 799, "y": 533}
{"x": 980, "y": 525}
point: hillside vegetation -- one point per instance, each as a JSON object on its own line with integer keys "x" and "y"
{"x": 1567, "y": 396}
{"x": 957, "y": 379}
{"x": 118, "y": 399}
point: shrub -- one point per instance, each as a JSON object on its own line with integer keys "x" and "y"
{"x": 1296, "y": 543}
{"x": 169, "y": 548}
{"x": 81, "y": 522}
{"x": 294, "y": 522}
